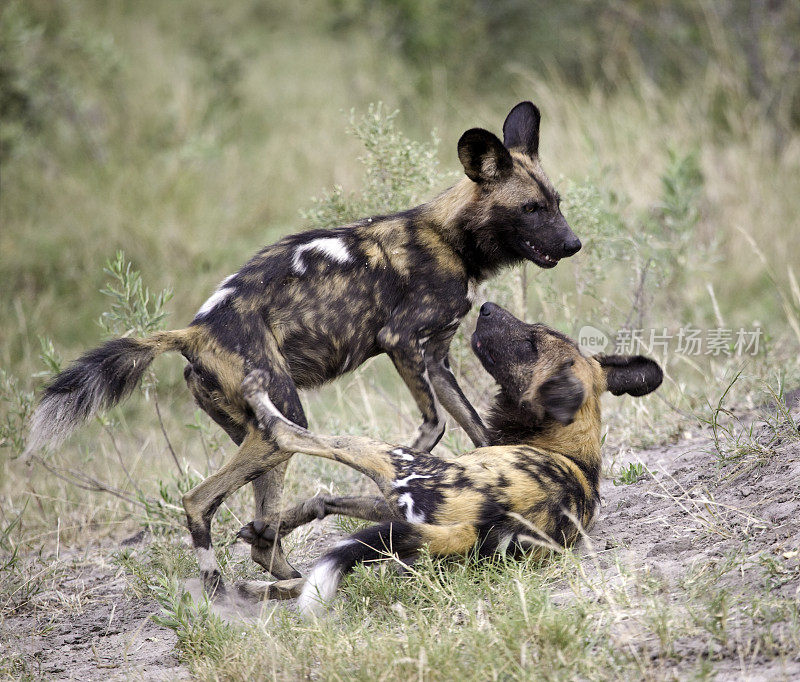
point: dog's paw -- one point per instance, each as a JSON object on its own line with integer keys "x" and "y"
{"x": 316, "y": 506}
{"x": 258, "y": 533}
{"x": 212, "y": 583}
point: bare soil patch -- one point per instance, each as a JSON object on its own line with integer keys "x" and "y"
{"x": 87, "y": 626}
{"x": 691, "y": 519}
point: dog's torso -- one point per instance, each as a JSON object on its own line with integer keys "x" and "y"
{"x": 332, "y": 299}
{"x": 501, "y": 490}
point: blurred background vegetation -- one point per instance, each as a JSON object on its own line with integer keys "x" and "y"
{"x": 189, "y": 134}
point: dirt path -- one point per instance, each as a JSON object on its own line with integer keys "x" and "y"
{"x": 681, "y": 522}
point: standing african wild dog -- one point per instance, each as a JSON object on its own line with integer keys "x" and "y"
{"x": 536, "y": 486}
{"x": 316, "y": 305}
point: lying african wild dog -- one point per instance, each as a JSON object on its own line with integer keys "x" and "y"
{"x": 316, "y": 305}
{"x": 535, "y": 486}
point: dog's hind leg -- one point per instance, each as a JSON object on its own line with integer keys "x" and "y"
{"x": 371, "y": 457}
{"x": 268, "y": 488}
{"x": 356, "y": 507}
{"x": 212, "y": 380}
{"x": 255, "y": 456}
{"x": 267, "y": 492}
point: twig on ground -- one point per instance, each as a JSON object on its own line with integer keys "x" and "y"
{"x": 122, "y": 460}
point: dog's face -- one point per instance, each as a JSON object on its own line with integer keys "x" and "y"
{"x": 518, "y": 215}
{"x": 543, "y": 371}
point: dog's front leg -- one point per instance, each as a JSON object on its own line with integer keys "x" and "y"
{"x": 259, "y": 534}
{"x": 408, "y": 357}
{"x": 449, "y": 392}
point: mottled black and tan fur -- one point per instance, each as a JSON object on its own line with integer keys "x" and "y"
{"x": 316, "y": 305}
{"x": 535, "y": 486}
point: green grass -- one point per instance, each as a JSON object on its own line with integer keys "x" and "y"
{"x": 479, "y": 619}
{"x": 631, "y": 474}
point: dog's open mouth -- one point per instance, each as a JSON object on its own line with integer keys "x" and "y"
{"x": 535, "y": 254}
{"x": 480, "y": 349}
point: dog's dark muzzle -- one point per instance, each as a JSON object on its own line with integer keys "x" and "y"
{"x": 493, "y": 326}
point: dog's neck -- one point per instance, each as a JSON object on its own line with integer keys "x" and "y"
{"x": 580, "y": 440}
{"x": 468, "y": 225}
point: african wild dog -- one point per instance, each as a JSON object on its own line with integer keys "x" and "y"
{"x": 536, "y": 486}
{"x": 316, "y": 305}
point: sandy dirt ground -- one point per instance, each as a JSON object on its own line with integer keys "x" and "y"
{"x": 671, "y": 524}
{"x": 683, "y": 520}
{"x": 87, "y": 627}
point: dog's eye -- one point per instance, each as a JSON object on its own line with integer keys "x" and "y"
{"x": 532, "y": 207}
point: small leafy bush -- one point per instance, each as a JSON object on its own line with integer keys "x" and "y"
{"x": 398, "y": 172}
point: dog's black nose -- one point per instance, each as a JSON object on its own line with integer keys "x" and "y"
{"x": 572, "y": 246}
{"x": 487, "y": 308}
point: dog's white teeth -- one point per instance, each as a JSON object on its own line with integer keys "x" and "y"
{"x": 543, "y": 256}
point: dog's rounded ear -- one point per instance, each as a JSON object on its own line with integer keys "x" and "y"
{"x": 521, "y": 128}
{"x": 559, "y": 397}
{"x": 632, "y": 374}
{"x": 484, "y": 157}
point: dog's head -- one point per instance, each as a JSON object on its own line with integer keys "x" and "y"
{"x": 517, "y": 215}
{"x": 543, "y": 376}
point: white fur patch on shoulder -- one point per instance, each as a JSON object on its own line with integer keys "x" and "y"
{"x": 333, "y": 247}
{"x": 400, "y": 452}
{"x": 405, "y": 500}
{"x": 320, "y": 588}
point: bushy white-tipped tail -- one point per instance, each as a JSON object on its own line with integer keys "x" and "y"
{"x": 99, "y": 379}
{"x": 320, "y": 588}
{"x": 58, "y": 415}
{"x": 376, "y": 542}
